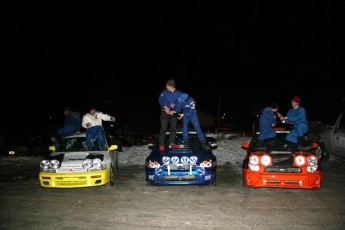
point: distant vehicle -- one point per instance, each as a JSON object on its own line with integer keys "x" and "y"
{"x": 331, "y": 138}
{"x": 279, "y": 164}
{"x": 177, "y": 165}
{"x": 71, "y": 165}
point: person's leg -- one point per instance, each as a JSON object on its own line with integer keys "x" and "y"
{"x": 90, "y": 134}
{"x": 185, "y": 122}
{"x": 195, "y": 121}
{"x": 172, "y": 125}
{"x": 292, "y": 136}
{"x": 100, "y": 137}
{"x": 164, "y": 125}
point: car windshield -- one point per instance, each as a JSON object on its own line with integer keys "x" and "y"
{"x": 272, "y": 144}
{"x": 78, "y": 144}
{"x": 193, "y": 139}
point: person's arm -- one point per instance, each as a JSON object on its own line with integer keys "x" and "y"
{"x": 298, "y": 115}
{"x": 85, "y": 122}
{"x": 106, "y": 117}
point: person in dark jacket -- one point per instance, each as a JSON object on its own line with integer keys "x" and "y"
{"x": 297, "y": 117}
{"x": 268, "y": 121}
{"x": 166, "y": 100}
{"x": 72, "y": 123}
{"x": 187, "y": 104}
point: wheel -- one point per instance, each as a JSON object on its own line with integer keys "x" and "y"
{"x": 321, "y": 152}
{"x": 114, "y": 168}
{"x": 112, "y": 175}
{"x": 214, "y": 183}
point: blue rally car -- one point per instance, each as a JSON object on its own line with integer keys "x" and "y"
{"x": 177, "y": 165}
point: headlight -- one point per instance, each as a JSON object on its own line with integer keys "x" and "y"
{"x": 312, "y": 160}
{"x": 254, "y": 159}
{"x": 254, "y": 168}
{"x": 299, "y": 160}
{"x": 166, "y": 160}
{"x": 193, "y": 159}
{"x": 312, "y": 168}
{"x": 96, "y": 163}
{"x": 45, "y": 164}
{"x": 174, "y": 160}
{"x": 54, "y": 164}
{"x": 153, "y": 164}
{"x": 266, "y": 160}
{"x": 206, "y": 164}
{"x": 87, "y": 163}
{"x": 185, "y": 160}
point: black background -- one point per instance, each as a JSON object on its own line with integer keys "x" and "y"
{"x": 118, "y": 57}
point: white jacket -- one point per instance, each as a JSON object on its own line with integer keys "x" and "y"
{"x": 95, "y": 120}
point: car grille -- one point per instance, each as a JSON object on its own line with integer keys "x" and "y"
{"x": 71, "y": 181}
{"x": 179, "y": 167}
{"x": 72, "y": 169}
{"x": 283, "y": 169}
{"x": 180, "y": 178}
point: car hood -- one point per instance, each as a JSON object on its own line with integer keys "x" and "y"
{"x": 73, "y": 161}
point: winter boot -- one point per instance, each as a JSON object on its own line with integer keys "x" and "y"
{"x": 300, "y": 142}
{"x": 204, "y": 145}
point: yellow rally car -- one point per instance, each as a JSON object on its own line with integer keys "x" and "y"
{"x": 72, "y": 165}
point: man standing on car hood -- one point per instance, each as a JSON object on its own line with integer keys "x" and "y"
{"x": 166, "y": 100}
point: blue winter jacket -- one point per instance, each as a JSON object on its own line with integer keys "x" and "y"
{"x": 166, "y": 98}
{"x": 265, "y": 124}
{"x": 189, "y": 107}
{"x": 297, "y": 116}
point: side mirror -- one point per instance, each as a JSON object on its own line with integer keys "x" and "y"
{"x": 113, "y": 147}
{"x": 52, "y": 148}
{"x": 245, "y": 145}
{"x": 213, "y": 145}
{"x": 150, "y": 146}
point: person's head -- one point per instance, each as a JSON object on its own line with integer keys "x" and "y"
{"x": 295, "y": 101}
{"x": 183, "y": 97}
{"x": 92, "y": 110}
{"x": 170, "y": 85}
{"x": 274, "y": 106}
{"x": 67, "y": 110}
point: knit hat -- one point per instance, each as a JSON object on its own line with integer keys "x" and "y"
{"x": 183, "y": 97}
{"x": 171, "y": 83}
{"x": 67, "y": 109}
{"x": 296, "y": 99}
{"x": 274, "y": 105}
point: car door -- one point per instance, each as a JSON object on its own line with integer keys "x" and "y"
{"x": 338, "y": 138}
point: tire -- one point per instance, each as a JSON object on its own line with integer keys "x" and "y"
{"x": 321, "y": 152}
{"x": 112, "y": 175}
{"x": 214, "y": 183}
{"x": 114, "y": 168}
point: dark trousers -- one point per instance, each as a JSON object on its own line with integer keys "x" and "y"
{"x": 167, "y": 120}
{"x": 91, "y": 134}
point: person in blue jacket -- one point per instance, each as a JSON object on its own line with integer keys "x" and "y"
{"x": 187, "y": 104}
{"x": 167, "y": 100}
{"x": 298, "y": 118}
{"x": 72, "y": 123}
{"x": 268, "y": 121}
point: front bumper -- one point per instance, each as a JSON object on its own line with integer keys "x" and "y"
{"x": 282, "y": 180}
{"x": 74, "y": 180}
{"x": 193, "y": 176}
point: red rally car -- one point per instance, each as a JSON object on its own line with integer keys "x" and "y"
{"x": 280, "y": 164}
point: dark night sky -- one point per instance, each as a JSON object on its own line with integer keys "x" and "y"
{"x": 118, "y": 57}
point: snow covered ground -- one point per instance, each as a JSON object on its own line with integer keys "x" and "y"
{"x": 227, "y": 151}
